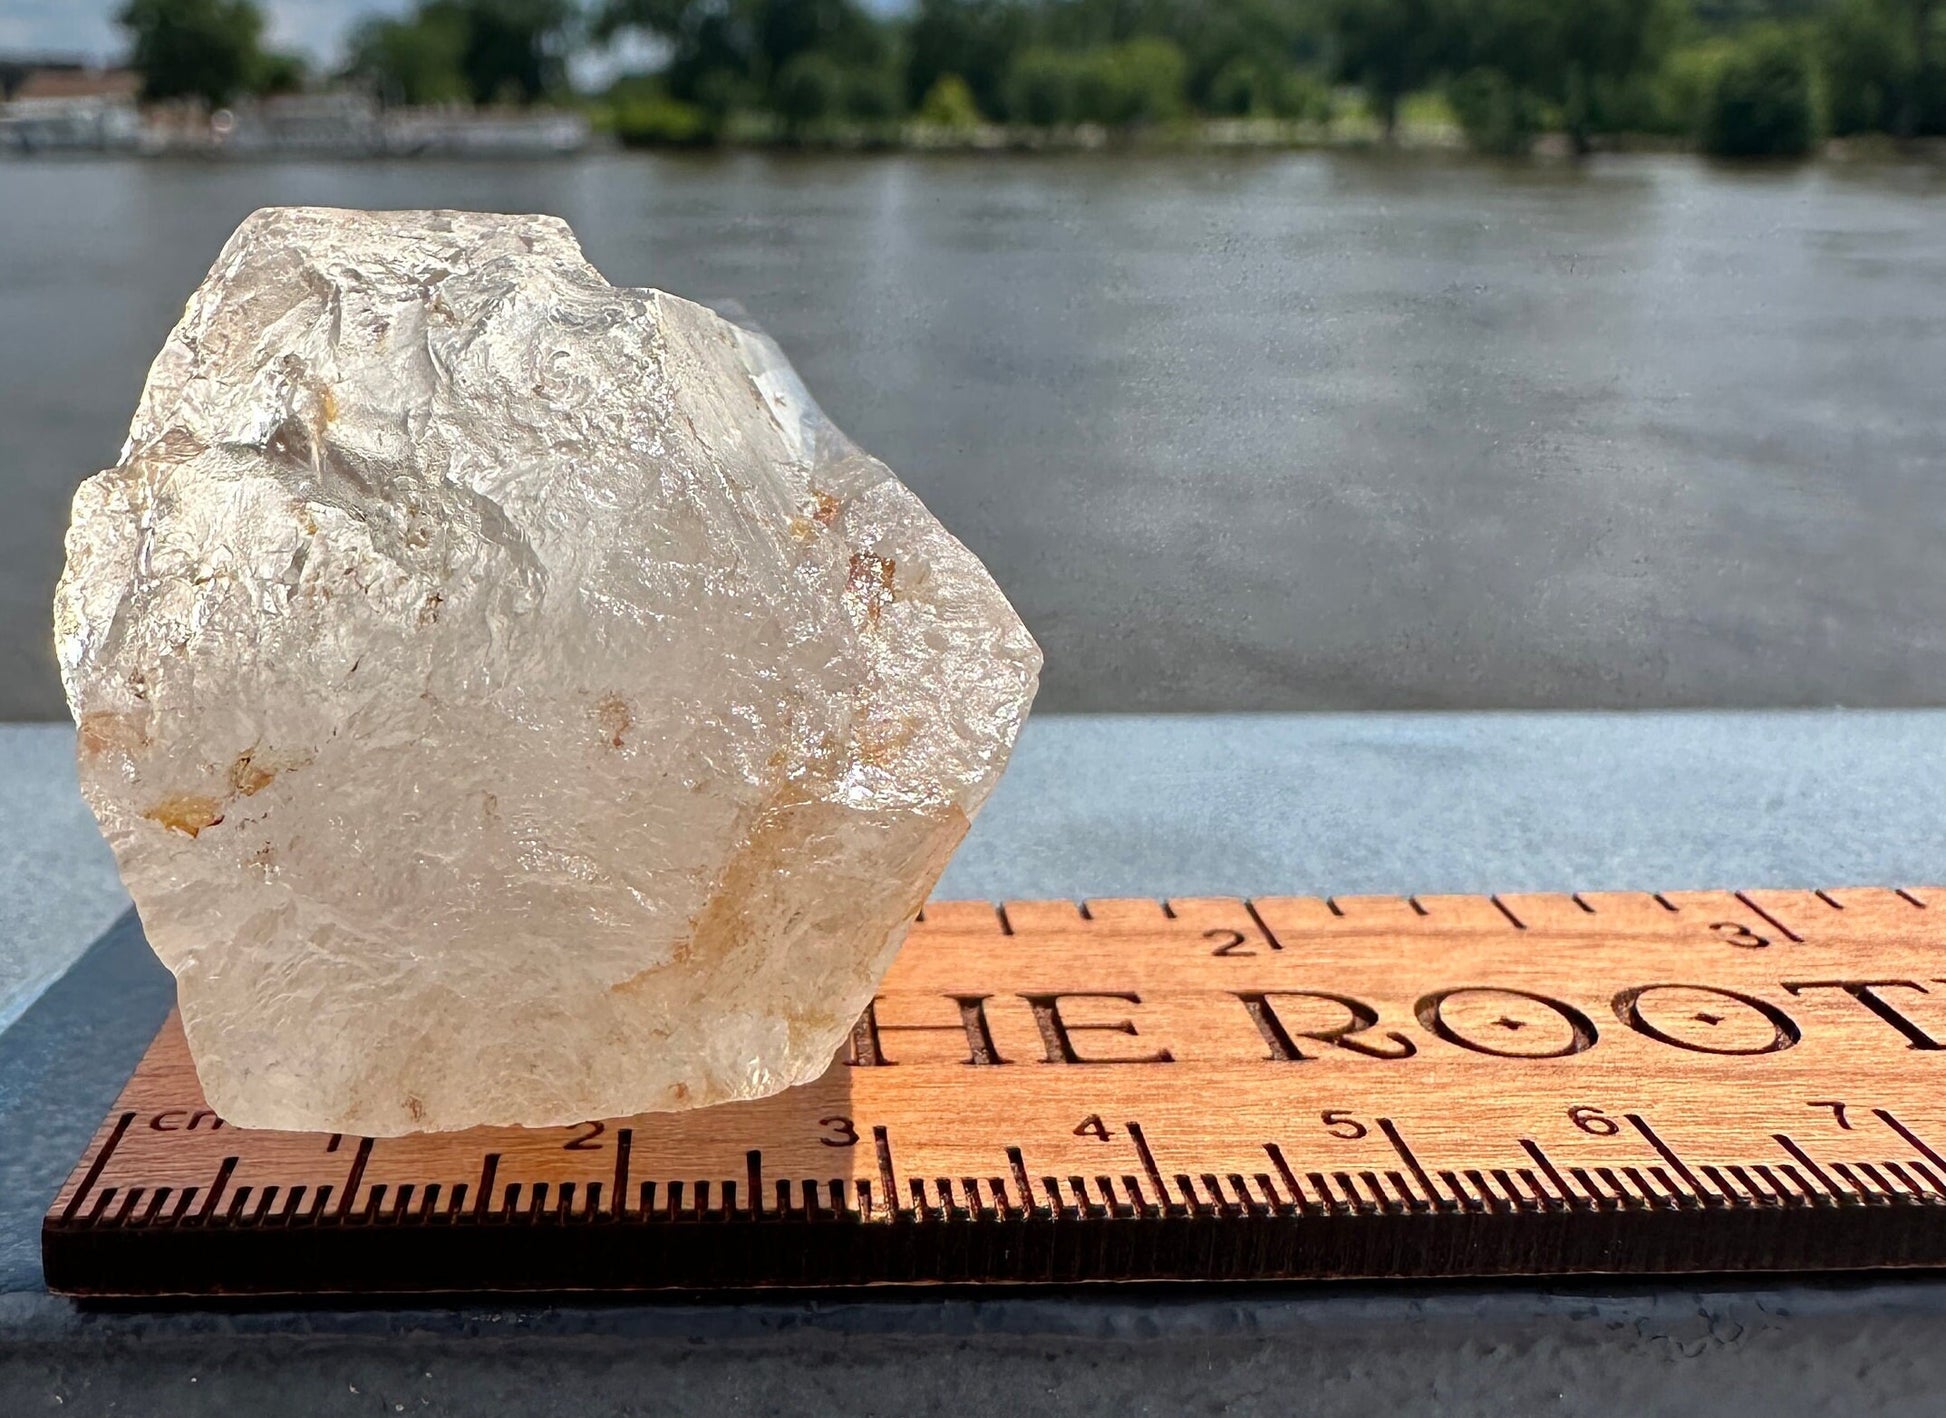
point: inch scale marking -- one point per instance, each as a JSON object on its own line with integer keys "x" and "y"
{"x": 1195, "y": 1089}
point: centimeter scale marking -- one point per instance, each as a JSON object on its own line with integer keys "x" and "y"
{"x": 1195, "y": 1089}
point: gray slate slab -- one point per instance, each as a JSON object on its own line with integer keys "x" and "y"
{"x": 1095, "y": 807}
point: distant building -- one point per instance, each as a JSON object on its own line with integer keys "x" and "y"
{"x": 57, "y": 105}
{"x": 349, "y": 123}
{"x": 299, "y": 125}
{"x": 483, "y": 132}
{"x": 64, "y": 107}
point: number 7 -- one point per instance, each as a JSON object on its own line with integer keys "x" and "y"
{"x": 1837, "y": 1111}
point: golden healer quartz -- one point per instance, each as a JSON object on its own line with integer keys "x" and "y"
{"x": 509, "y": 699}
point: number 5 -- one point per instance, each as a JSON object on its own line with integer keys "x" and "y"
{"x": 1339, "y": 1123}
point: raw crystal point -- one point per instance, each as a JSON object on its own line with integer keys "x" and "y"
{"x": 509, "y": 699}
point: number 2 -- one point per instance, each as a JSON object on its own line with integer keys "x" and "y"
{"x": 585, "y": 1141}
{"x": 1227, "y": 941}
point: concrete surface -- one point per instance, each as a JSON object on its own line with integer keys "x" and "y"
{"x": 58, "y": 887}
{"x": 1094, "y": 807}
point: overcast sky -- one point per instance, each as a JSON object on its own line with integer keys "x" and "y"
{"x": 315, "y": 27}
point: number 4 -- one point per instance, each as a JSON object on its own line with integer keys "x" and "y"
{"x": 1093, "y": 1126}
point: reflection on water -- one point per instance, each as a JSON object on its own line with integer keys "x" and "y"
{"x": 1262, "y": 431}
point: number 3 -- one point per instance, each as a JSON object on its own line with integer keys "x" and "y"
{"x": 1741, "y": 936}
{"x": 847, "y": 1135}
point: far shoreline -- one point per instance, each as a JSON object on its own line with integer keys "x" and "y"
{"x": 1213, "y": 137}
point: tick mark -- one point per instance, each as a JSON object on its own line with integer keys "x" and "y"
{"x": 101, "y": 1161}
{"x": 882, "y": 1146}
{"x": 1270, "y": 936}
{"x": 358, "y": 1161}
{"x": 1783, "y": 929}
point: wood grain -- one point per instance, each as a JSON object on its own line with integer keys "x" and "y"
{"x": 1207, "y": 1089}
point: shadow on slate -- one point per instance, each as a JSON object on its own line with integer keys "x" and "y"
{"x": 61, "y": 1065}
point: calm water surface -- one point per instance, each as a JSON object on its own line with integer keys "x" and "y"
{"x": 1234, "y": 432}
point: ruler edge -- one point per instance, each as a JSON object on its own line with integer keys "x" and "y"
{"x": 65, "y": 1238}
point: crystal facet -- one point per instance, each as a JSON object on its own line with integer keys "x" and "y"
{"x": 508, "y": 698}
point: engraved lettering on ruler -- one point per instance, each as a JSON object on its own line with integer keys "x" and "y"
{"x": 868, "y": 1034}
{"x": 185, "y": 1120}
{"x": 1784, "y": 1032}
{"x": 1057, "y": 1033}
{"x": 1866, "y": 993}
{"x": 1360, "y": 1017}
{"x": 1431, "y": 1011}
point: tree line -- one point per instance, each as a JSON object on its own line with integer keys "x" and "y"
{"x": 1736, "y": 76}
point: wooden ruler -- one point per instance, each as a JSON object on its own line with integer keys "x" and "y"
{"x": 1200, "y": 1089}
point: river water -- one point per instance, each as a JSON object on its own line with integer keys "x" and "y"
{"x": 1234, "y": 431}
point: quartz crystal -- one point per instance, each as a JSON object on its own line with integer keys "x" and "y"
{"x": 509, "y": 699}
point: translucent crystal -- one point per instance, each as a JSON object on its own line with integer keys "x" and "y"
{"x": 509, "y": 699}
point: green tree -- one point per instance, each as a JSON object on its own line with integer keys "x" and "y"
{"x": 949, "y": 104}
{"x": 206, "y": 49}
{"x": 1884, "y": 66}
{"x": 447, "y": 51}
{"x": 713, "y": 47}
{"x": 1280, "y": 39}
{"x": 279, "y": 73}
{"x": 1042, "y": 88}
{"x": 1390, "y": 48}
{"x": 419, "y": 60}
{"x": 809, "y": 91}
{"x": 1760, "y": 104}
{"x": 1244, "y": 88}
{"x": 724, "y": 53}
{"x": 874, "y": 94}
{"x": 976, "y": 40}
{"x": 1522, "y": 53}
{"x": 1137, "y": 82}
{"x": 1497, "y": 115}
{"x": 1678, "y": 92}
{"x": 1257, "y": 88}
{"x": 1592, "y": 43}
{"x": 641, "y": 114}
{"x": 515, "y": 49}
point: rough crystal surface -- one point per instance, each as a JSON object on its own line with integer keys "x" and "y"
{"x": 509, "y": 699}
